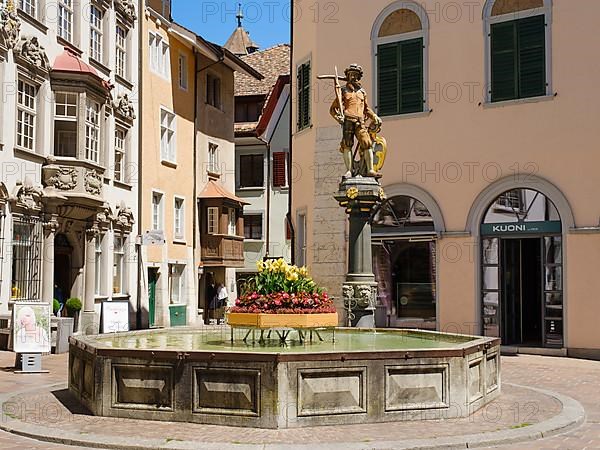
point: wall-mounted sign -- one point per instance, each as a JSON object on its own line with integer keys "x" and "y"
{"x": 115, "y": 317}
{"x": 31, "y": 327}
{"x": 549, "y": 227}
{"x": 153, "y": 237}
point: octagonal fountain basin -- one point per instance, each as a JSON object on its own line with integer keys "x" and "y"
{"x": 351, "y": 376}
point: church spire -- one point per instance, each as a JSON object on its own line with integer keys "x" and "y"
{"x": 240, "y": 43}
{"x": 240, "y": 15}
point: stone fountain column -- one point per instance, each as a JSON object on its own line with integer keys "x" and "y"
{"x": 359, "y": 196}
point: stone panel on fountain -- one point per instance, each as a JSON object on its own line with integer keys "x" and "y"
{"x": 227, "y": 391}
{"x": 475, "y": 379}
{"x": 143, "y": 387}
{"x": 416, "y": 387}
{"x": 324, "y": 392}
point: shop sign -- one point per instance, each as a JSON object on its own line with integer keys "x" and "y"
{"x": 549, "y": 227}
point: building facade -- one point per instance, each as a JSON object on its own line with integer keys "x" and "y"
{"x": 192, "y": 225}
{"x": 69, "y": 139}
{"x": 489, "y": 110}
{"x": 262, "y": 136}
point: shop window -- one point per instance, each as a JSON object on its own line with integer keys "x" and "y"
{"x": 26, "y": 258}
{"x": 401, "y": 46}
{"x": 253, "y": 173}
{"x": 119, "y": 265}
{"x": 303, "y": 73}
{"x": 253, "y": 226}
{"x": 518, "y": 48}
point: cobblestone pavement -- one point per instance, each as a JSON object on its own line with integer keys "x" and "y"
{"x": 516, "y": 408}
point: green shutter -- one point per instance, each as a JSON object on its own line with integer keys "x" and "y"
{"x": 388, "y": 96}
{"x": 400, "y": 77}
{"x": 411, "y": 76}
{"x": 504, "y": 61}
{"x": 303, "y": 82}
{"x": 518, "y": 58}
{"x": 532, "y": 56}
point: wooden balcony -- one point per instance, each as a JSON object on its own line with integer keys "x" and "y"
{"x": 219, "y": 250}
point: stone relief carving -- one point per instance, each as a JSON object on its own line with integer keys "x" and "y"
{"x": 127, "y": 7}
{"x": 124, "y": 106}
{"x": 366, "y": 296}
{"x": 61, "y": 178}
{"x": 124, "y": 217}
{"x": 29, "y": 49}
{"x": 93, "y": 182}
{"x": 10, "y": 24}
{"x": 27, "y": 195}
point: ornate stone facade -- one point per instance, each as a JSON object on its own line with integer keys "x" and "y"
{"x": 32, "y": 52}
{"x": 93, "y": 182}
{"x": 27, "y": 195}
{"x": 127, "y": 8}
{"x": 10, "y": 25}
{"x": 124, "y": 107}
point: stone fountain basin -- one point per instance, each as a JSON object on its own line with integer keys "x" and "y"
{"x": 365, "y": 376}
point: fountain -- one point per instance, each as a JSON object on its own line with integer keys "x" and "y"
{"x": 282, "y": 363}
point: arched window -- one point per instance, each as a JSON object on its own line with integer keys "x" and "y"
{"x": 518, "y": 48}
{"x": 399, "y": 39}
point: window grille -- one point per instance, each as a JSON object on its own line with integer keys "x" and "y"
{"x": 26, "y": 258}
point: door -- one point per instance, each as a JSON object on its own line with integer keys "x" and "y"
{"x": 152, "y": 281}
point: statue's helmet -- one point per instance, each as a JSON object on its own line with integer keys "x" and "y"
{"x": 356, "y": 69}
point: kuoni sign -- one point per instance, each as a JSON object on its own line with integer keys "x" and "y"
{"x": 550, "y": 227}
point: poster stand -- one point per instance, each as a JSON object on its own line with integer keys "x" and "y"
{"x": 29, "y": 363}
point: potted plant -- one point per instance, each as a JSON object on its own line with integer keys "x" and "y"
{"x": 55, "y": 306}
{"x": 73, "y": 306}
{"x": 282, "y": 295}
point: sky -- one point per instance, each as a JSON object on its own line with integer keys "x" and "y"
{"x": 267, "y": 21}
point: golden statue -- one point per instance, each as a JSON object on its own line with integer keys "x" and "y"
{"x": 351, "y": 110}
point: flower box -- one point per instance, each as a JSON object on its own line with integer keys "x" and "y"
{"x": 265, "y": 321}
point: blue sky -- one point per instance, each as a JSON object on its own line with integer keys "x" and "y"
{"x": 267, "y": 21}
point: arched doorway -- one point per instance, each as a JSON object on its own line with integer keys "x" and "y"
{"x": 522, "y": 270}
{"x": 405, "y": 264}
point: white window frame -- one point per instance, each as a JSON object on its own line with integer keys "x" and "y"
{"x": 182, "y": 67}
{"x": 213, "y": 158}
{"x": 489, "y": 20}
{"x": 212, "y": 219}
{"x": 65, "y": 115}
{"x": 119, "y": 253}
{"x": 29, "y": 7}
{"x": 64, "y": 19}
{"x": 157, "y": 211}
{"x": 93, "y": 118}
{"x": 160, "y": 55}
{"x": 26, "y": 114}
{"x": 168, "y": 135}
{"x": 377, "y": 41}
{"x": 177, "y": 283}
{"x": 179, "y": 218}
{"x": 96, "y": 33}
{"x": 121, "y": 44}
{"x": 120, "y": 154}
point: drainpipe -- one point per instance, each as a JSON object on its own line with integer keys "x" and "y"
{"x": 291, "y": 147}
{"x": 141, "y": 40}
{"x": 195, "y": 200}
{"x": 268, "y": 194}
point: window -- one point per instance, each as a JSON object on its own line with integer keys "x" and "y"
{"x": 96, "y": 22}
{"x": 26, "y": 115}
{"x": 301, "y": 240}
{"x": 120, "y": 155}
{"x": 119, "y": 265}
{"x": 121, "y": 51}
{"x": 167, "y": 136}
{"x": 253, "y": 226}
{"x": 157, "y": 211}
{"x": 28, "y": 6}
{"x": 92, "y": 131}
{"x": 253, "y": 174}
{"x": 183, "y": 72}
{"x": 65, "y": 19}
{"x": 99, "y": 268}
{"x": 26, "y": 258}
{"x": 65, "y": 124}
{"x": 176, "y": 283}
{"x": 401, "y": 44}
{"x": 213, "y": 91}
{"x": 179, "y": 216}
{"x": 519, "y": 33}
{"x": 511, "y": 199}
{"x": 248, "y": 108}
{"x": 231, "y": 222}
{"x": 303, "y": 80}
{"x": 213, "y": 158}
{"x": 159, "y": 55}
{"x": 280, "y": 162}
{"x": 212, "y": 220}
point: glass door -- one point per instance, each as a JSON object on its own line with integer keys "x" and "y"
{"x": 553, "y": 291}
{"x": 491, "y": 292}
